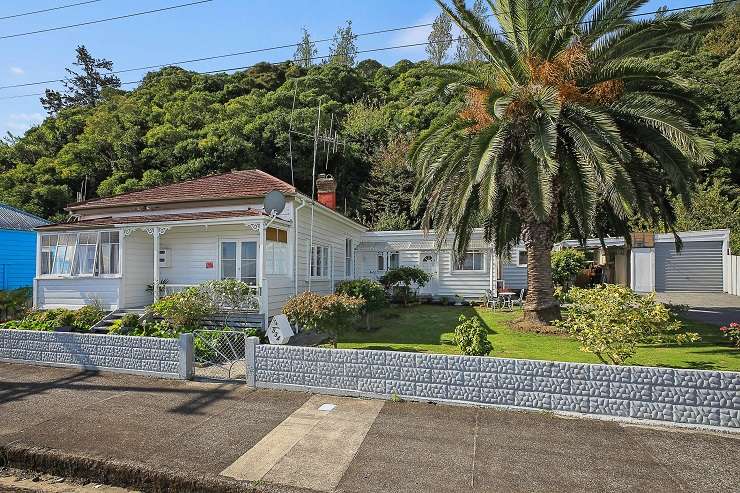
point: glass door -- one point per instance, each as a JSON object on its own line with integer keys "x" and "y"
{"x": 239, "y": 261}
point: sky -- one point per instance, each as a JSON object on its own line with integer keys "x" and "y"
{"x": 213, "y": 28}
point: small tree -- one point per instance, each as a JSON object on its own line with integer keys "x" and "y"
{"x": 305, "y": 51}
{"x": 332, "y": 313}
{"x": 371, "y": 292}
{"x": 440, "y": 39}
{"x": 186, "y": 309}
{"x": 471, "y": 337}
{"x": 566, "y": 264}
{"x": 343, "y": 47}
{"x": 403, "y": 278}
{"x": 610, "y": 321}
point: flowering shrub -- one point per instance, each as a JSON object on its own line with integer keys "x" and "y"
{"x": 732, "y": 332}
{"x": 471, "y": 337}
{"x": 331, "y": 313}
{"x": 231, "y": 295}
{"x": 611, "y": 320}
{"x": 371, "y": 292}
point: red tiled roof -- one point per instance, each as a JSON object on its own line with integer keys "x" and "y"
{"x": 235, "y": 185}
{"x": 111, "y": 221}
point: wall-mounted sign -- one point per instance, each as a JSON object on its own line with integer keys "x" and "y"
{"x": 209, "y": 265}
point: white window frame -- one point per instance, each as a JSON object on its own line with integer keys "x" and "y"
{"x": 459, "y": 266}
{"x": 238, "y": 258}
{"x": 277, "y": 253}
{"x": 326, "y": 257}
{"x": 386, "y": 256}
{"x": 519, "y": 252}
{"x": 73, "y": 274}
{"x": 76, "y": 268}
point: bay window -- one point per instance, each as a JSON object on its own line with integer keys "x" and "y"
{"x": 276, "y": 252}
{"x": 80, "y": 254}
{"x": 320, "y": 261}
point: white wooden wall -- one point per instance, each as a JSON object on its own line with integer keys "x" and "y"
{"x": 732, "y": 274}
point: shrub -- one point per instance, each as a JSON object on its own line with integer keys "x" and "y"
{"x": 371, "y": 292}
{"x": 126, "y": 325}
{"x": 610, "y": 321}
{"x": 231, "y": 295}
{"x": 566, "y": 264}
{"x": 186, "y": 309}
{"x": 401, "y": 278}
{"x": 732, "y": 332}
{"x": 14, "y": 303}
{"x": 86, "y": 317}
{"x": 331, "y": 313}
{"x": 471, "y": 337}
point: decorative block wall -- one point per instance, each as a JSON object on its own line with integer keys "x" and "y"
{"x": 682, "y": 396}
{"x": 169, "y": 358}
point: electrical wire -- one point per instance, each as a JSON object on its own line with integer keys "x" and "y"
{"x": 322, "y": 57}
{"x": 50, "y": 9}
{"x": 107, "y": 19}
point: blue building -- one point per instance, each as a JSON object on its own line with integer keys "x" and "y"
{"x": 17, "y": 247}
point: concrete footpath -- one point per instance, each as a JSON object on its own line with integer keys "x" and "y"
{"x": 225, "y": 437}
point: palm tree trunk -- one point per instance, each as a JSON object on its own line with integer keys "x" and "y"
{"x": 541, "y": 307}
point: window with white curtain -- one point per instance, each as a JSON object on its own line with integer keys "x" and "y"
{"x": 65, "y": 254}
{"x": 277, "y": 258}
{"x": 320, "y": 261}
{"x": 109, "y": 256}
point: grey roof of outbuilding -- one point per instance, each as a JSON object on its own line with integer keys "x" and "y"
{"x": 12, "y": 218}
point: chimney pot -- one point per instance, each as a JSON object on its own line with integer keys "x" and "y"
{"x": 326, "y": 187}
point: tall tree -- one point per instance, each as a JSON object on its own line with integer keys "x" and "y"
{"x": 467, "y": 49}
{"x": 343, "y": 47}
{"x": 305, "y": 51}
{"x": 440, "y": 39}
{"x": 82, "y": 88}
{"x": 563, "y": 121}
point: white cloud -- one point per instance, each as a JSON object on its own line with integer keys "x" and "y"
{"x": 17, "y": 71}
{"x": 20, "y": 122}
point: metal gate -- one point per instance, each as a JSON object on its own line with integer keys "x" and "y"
{"x": 220, "y": 354}
{"x": 698, "y": 267}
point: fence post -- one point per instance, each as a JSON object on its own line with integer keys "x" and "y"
{"x": 250, "y": 360}
{"x": 186, "y": 356}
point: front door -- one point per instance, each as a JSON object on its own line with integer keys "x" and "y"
{"x": 428, "y": 264}
{"x": 239, "y": 260}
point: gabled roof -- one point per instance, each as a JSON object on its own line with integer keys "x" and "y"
{"x": 102, "y": 222}
{"x": 12, "y": 218}
{"x": 234, "y": 185}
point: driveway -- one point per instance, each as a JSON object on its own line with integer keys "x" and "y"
{"x": 712, "y": 308}
{"x": 288, "y": 440}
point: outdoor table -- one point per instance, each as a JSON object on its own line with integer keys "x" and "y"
{"x": 507, "y": 299}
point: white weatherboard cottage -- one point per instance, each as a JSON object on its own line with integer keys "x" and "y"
{"x": 115, "y": 249}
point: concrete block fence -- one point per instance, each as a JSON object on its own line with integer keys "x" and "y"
{"x": 693, "y": 397}
{"x": 151, "y": 356}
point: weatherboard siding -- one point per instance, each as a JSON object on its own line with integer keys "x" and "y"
{"x": 17, "y": 258}
{"x": 78, "y": 292}
{"x": 138, "y": 269}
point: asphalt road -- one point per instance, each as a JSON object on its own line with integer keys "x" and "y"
{"x": 208, "y": 428}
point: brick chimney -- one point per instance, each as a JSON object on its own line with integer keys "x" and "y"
{"x": 327, "y": 191}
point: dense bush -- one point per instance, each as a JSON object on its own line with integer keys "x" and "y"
{"x": 400, "y": 279}
{"x": 610, "y": 321}
{"x": 185, "y": 309}
{"x": 331, "y": 313}
{"x": 231, "y": 295}
{"x": 471, "y": 337}
{"x": 371, "y": 292}
{"x": 566, "y": 264}
{"x": 732, "y": 332}
{"x": 14, "y": 303}
{"x": 58, "y": 318}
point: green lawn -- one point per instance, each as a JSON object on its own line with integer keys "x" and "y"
{"x": 429, "y": 329}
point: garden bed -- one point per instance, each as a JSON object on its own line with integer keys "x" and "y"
{"x": 430, "y": 328}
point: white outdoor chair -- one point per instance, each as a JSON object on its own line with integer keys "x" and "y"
{"x": 520, "y": 300}
{"x": 491, "y": 299}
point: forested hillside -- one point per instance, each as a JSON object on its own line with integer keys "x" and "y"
{"x": 179, "y": 124}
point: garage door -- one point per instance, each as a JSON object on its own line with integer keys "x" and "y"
{"x": 698, "y": 267}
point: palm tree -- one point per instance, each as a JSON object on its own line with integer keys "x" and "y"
{"x": 566, "y": 123}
